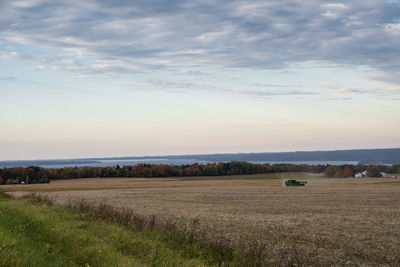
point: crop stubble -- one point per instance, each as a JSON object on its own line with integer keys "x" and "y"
{"x": 336, "y": 221}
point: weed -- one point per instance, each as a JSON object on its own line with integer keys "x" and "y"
{"x": 40, "y": 198}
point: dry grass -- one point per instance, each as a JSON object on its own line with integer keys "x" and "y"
{"x": 328, "y": 222}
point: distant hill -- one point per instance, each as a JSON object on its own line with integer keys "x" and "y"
{"x": 363, "y": 156}
{"x": 337, "y": 157}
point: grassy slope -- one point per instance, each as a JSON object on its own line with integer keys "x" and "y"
{"x": 32, "y": 234}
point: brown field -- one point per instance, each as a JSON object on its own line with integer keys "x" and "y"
{"x": 328, "y": 222}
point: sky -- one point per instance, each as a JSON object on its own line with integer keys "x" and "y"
{"x": 100, "y": 78}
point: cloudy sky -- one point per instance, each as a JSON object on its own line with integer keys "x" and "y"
{"x": 149, "y": 77}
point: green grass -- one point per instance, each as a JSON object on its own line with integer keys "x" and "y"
{"x": 33, "y": 234}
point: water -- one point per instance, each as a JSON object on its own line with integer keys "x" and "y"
{"x": 127, "y": 162}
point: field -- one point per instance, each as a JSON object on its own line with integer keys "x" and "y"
{"x": 327, "y": 222}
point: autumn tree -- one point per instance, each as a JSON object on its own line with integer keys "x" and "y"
{"x": 332, "y": 171}
{"x": 347, "y": 172}
{"x": 373, "y": 171}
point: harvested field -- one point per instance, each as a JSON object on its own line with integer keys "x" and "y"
{"x": 128, "y": 183}
{"x": 329, "y": 221}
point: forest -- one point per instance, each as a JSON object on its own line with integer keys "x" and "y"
{"x": 35, "y": 174}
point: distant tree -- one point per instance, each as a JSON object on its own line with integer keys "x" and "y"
{"x": 394, "y": 169}
{"x": 33, "y": 174}
{"x": 339, "y": 173}
{"x": 373, "y": 171}
{"x": 332, "y": 171}
{"x": 84, "y": 172}
{"x": 347, "y": 172}
{"x": 147, "y": 172}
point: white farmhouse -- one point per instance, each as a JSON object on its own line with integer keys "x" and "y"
{"x": 361, "y": 174}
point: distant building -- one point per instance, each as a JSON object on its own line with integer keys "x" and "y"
{"x": 364, "y": 174}
{"x": 361, "y": 174}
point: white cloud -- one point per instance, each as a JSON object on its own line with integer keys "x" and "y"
{"x": 235, "y": 34}
{"x": 10, "y": 55}
{"x": 7, "y": 78}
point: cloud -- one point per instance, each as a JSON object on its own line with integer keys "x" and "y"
{"x": 277, "y": 93}
{"x": 180, "y": 86}
{"x": 7, "y": 78}
{"x": 208, "y": 33}
{"x": 276, "y": 85}
{"x": 10, "y": 55}
{"x": 108, "y": 67}
{"x": 350, "y": 90}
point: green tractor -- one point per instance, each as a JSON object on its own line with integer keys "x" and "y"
{"x": 294, "y": 183}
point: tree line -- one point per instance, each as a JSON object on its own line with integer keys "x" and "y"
{"x": 351, "y": 170}
{"x": 35, "y": 174}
